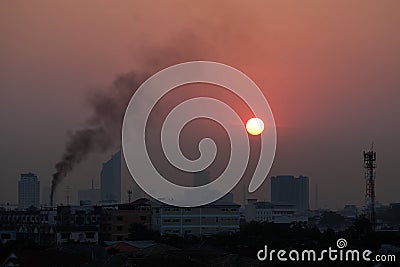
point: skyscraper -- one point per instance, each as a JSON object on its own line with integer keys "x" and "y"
{"x": 290, "y": 190}
{"x": 110, "y": 186}
{"x": 28, "y": 191}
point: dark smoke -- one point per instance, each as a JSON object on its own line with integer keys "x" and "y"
{"x": 103, "y": 127}
{"x": 103, "y": 131}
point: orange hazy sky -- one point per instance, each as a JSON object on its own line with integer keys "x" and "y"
{"x": 329, "y": 69}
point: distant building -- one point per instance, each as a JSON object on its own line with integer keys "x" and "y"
{"x": 79, "y": 224}
{"x": 35, "y": 225}
{"x": 211, "y": 219}
{"x": 28, "y": 191}
{"x": 111, "y": 180}
{"x": 117, "y": 219}
{"x": 8, "y": 206}
{"x": 291, "y": 190}
{"x": 78, "y": 215}
{"x": 7, "y": 234}
{"x": 349, "y": 211}
{"x": 77, "y": 234}
{"x": 91, "y": 196}
{"x": 272, "y": 212}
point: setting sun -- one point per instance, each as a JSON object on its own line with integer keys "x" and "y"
{"x": 255, "y": 126}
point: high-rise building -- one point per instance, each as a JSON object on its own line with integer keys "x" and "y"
{"x": 28, "y": 191}
{"x": 290, "y": 190}
{"x": 110, "y": 180}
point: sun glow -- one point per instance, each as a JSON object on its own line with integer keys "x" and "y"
{"x": 255, "y": 126}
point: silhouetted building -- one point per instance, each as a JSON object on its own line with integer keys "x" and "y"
{"x": 117, "y": 219}
{"x": 78, "y": 215}
{"x": 111, "y": 180}
{"x": 79, "y": 224}
{"x": 77, "y": 234}
{"x": 290, "y": 190}
{"x": 349, "y": 211}
{"x": 91, "y": 196}
{"x": 211, "y": 219}
{"x": 7, "y": 234}
{"x": 28, "y": 191}
{"x": 272, "y": 212}
{"x": 35, "y": 225}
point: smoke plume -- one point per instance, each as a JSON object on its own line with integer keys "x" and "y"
{"x": 103, "y": 128}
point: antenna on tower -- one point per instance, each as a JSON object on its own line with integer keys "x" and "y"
{"x": 316, "y": 196}
{"x": 370, "y": 175}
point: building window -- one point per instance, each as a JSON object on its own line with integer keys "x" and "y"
{"x": 167, "y": 220}
{"x": 176, "y": 220}
{"x": 188, "y": 220}
{"x": 166, "y": 209}
{"x": 6, "y": 236}
{"x": 188, "y": 209}
{"x": 143, "y": 218}
{"x": 119, "y": 238}
{"x": 119, "y": 228}
{"x": 120, "y": 218}
{"x": 65, "y": 235}
{"x": 175, "y": 209}
{"x": 216, "y": 219}
{"x": 89, "y": 234}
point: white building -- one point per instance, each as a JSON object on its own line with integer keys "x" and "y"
{"x": 77, "y": 234}
{"x": 211, "y": 219}
{"x": 28, "y": 191}
{"x": 270, "y": 212}
{"x": 110, "y": 186}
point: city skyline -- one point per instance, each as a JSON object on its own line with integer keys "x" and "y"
{"x": 78, "y": 194}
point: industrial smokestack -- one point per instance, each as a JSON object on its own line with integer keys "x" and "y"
{"x": 103, "y": 130}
